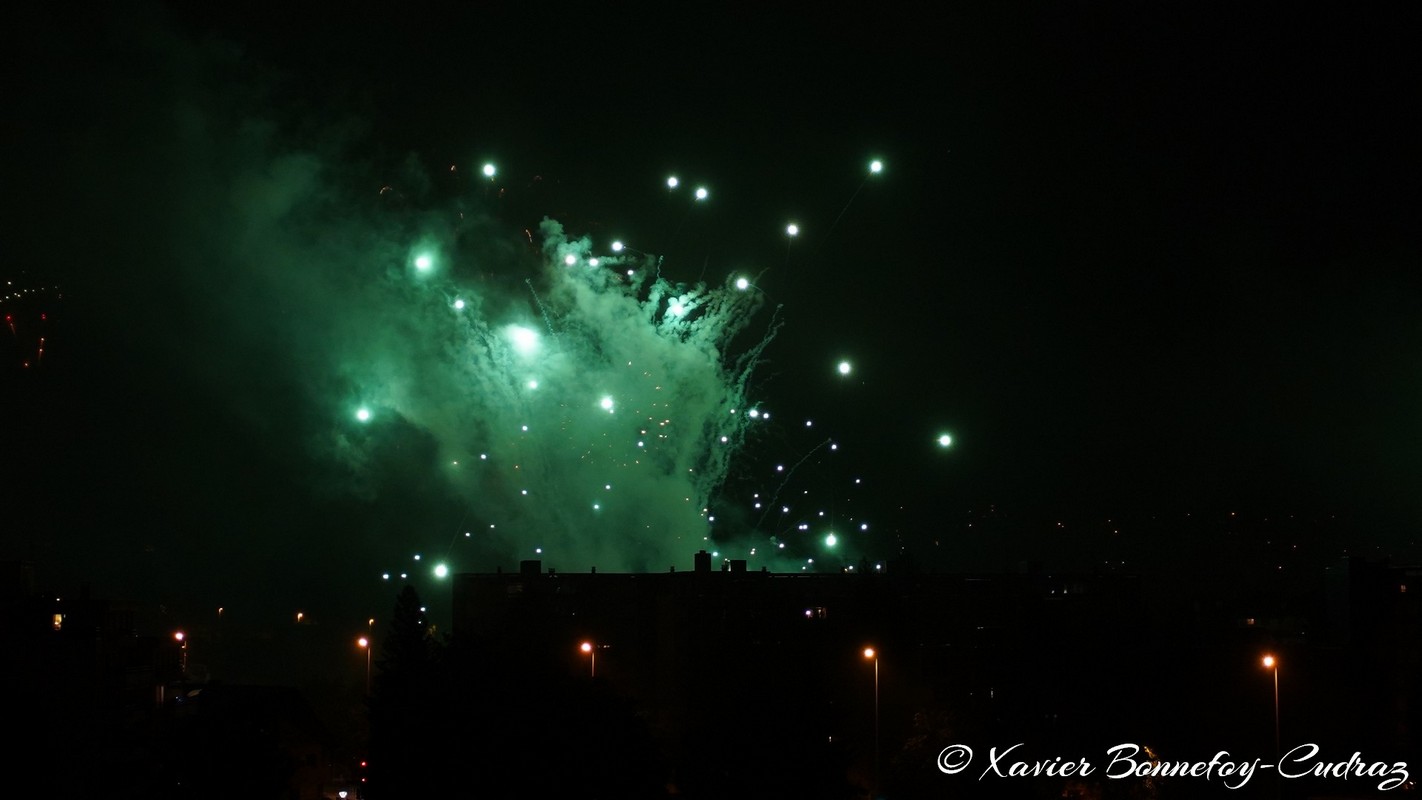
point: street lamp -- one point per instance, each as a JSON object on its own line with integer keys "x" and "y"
{"x": 182, "y": 640}
{"x": 869, "y": 653}
{"x": 587, "y": 647}
{"x": 364, "y": 644}
{"x": 1273, "y": 663}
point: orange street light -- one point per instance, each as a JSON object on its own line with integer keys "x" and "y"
{"x": 1272, "y": 663}
{"x": 182, "y": 640}
{"x": 869, "y": 653}
{"x": 587, "y": 647}
{"x": 364, "y": 644}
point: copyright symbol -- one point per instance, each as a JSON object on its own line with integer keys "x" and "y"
{"x": 954, "y": 758}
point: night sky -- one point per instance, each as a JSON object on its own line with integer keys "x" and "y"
{"x": 1148, "y": 266}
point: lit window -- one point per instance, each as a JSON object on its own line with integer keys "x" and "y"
{"x": 59, "y": 620}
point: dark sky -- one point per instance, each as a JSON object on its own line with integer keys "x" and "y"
{"x": 1141, "y": 262}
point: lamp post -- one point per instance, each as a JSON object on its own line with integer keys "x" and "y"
{"x": 870, "y": 653}
{"x": 182, "y": 640}
{"x": 364, "y": 644}
{"x": 1273, "y": 663}
{"x": 587, "y": 647}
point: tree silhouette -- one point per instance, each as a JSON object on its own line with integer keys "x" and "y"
{"x": 407, "y": 720}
